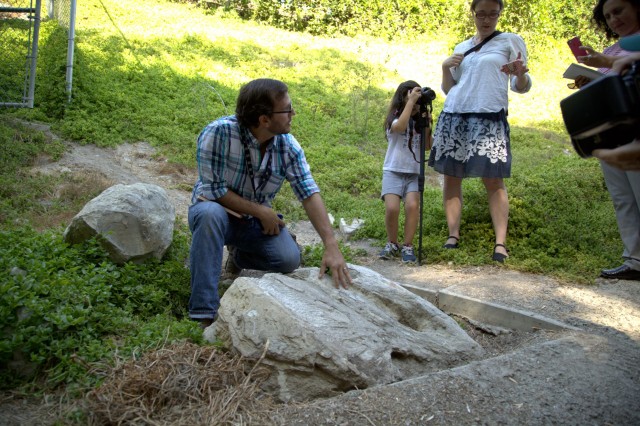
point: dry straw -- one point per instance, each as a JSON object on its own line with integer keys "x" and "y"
{"x": 183, "y": 384}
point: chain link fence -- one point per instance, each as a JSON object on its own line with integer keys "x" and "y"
{"x": 61, "y": 11}
{"x": 19, "y": 34}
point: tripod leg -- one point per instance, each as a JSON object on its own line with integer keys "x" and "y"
{"x": 420, "y": 232}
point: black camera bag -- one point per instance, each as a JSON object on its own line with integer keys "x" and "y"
{"x": 603, "y": 114}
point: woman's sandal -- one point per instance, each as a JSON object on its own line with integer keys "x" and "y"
{"x": 499, "y": 257}
{"x": 454, "y": 245}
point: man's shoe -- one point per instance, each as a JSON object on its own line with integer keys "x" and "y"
{"x": 389, "y": 251}
{"x": 407, "y": 255}
{"x": 205, "y": 322}
{"x": 623, "y": 272}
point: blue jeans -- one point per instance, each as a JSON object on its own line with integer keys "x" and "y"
{"x": 211, "y": 229}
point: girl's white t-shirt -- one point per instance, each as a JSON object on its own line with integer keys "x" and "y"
{"x": 398, "y": 158}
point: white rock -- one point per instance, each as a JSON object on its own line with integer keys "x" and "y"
{"x": 135, "y": 222}
{"x": 323, "y": 340}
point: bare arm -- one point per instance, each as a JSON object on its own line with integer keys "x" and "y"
{"x": 332, "y": 258}
{"x": 400, "y": 125}
{"x": 595, "y": 59}
{"x": 622, "y": 63}
{"x": 447, "y": 78}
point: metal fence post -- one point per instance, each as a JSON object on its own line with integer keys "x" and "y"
{"x": 70, "y": 49}
{"x": 34, "y": 55}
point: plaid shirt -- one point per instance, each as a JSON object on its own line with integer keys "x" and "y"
{"x": 222, "y": 166}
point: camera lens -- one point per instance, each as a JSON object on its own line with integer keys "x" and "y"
{"x": 428, "y": 94}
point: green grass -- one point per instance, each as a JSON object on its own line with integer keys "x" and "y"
{"x": 64, "y": 308}
{"x": 159, "y": 72}
{"x": 162, "y": 80}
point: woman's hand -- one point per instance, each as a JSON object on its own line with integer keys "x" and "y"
{"x": 581, "y": 80}
{"x": 517, "y": 67}
{"x": 453, "y": 61}
{"x": 594, "y": 58}
{"x": 625, "y": 157}
{"x": 624, "y": 62}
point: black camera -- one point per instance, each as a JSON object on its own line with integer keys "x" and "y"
{"x": 604, "y": 113}
{"x": 426, "y": 97}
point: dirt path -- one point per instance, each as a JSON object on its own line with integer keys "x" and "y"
{"x": 608, "y": 312}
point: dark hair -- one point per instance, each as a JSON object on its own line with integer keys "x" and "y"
{"x": 600, "y": 21}
{"x": 474, "y": 3}
{"x": 398, "y": 102}
{"x": 257, "y": 98}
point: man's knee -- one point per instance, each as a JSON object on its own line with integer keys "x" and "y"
{"x": 207, "y": 213}
{"x": 292, "y": 263}
{"x": 290, "y": 259}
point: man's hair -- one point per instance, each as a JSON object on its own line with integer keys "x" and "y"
{"x": 257, "y": 98}
{"x": 600, "y": 21}
{"x": 474, "y": 3}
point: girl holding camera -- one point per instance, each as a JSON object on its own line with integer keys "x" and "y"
{"x": 472, "y": 137}
{"x": 401, "y": 169}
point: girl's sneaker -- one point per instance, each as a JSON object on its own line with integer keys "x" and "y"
{"x": 407, "y": 254}
{"x": 389, "y": 251}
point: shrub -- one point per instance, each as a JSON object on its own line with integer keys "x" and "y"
{"x": 64, "y": 308}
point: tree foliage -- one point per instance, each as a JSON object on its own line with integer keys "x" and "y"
{"x": 536, "y": 20}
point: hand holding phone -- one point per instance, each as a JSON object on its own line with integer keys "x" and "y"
{"x": 575, "y": 44}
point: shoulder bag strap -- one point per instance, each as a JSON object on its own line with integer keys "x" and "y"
{"x": 482, "y": 43}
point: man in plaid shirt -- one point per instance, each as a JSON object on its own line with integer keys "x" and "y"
{"x": 243, "y": 160}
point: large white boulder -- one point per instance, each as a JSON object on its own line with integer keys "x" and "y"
{"x": 321, "y": 341}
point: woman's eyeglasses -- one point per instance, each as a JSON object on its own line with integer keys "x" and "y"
{"x": 483, "y": 15}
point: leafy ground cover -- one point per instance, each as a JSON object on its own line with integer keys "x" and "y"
{"x": 161, "y": 79}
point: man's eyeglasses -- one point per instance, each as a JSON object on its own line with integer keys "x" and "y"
{"x": 490, "y": 15}
{"x": 286, "y": 111}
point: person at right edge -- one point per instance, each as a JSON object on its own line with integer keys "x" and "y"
{"x": 627, "y": 156}
{"x": 472, "y": 138}
{"x": 619, "y": 18}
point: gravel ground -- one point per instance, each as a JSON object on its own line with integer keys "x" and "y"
{"x": 589, "y": 376}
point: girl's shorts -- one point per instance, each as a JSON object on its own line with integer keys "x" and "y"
{"x": 398, "y": 183}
